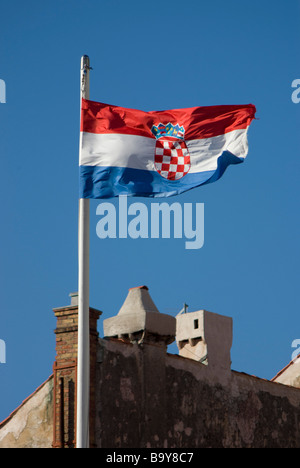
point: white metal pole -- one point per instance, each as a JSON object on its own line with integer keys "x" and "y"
{"x": 83, "y": 356}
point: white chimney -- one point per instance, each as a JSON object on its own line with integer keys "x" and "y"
{"x": 206, "y": 337}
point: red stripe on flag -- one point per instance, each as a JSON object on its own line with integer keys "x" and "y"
{"x": 198, "y": 122}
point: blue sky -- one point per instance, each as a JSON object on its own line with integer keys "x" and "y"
{"x": 149, "y": 56}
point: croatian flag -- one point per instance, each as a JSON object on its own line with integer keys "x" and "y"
{"x": 158, "y": 154}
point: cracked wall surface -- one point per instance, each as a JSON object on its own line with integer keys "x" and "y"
{"x": 147, "y": 398}
{"x": 31, "y": 425}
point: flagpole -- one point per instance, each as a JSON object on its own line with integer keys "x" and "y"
{"x": 83, "y": 353}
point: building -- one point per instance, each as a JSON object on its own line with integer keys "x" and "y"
{"x": 143, "y": 397}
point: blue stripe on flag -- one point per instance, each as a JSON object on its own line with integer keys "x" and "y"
{"x": 108, "y": 182}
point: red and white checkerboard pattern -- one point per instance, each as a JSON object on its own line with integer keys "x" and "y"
{"x": 172, "y": 159}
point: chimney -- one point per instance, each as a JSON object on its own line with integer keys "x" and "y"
{"x": 65, "y": 373}
{"x": 205, "y": 337}
{"x": 148, "y": 332}
{"x": 140, "y": 321}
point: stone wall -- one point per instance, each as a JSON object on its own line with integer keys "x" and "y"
{"x": 147, "y": 398}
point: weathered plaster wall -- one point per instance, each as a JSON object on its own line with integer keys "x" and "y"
{"x": 31, "y": 425}
{"x": 231, "y": 411}
{"x": 146, "y": 398}
{"x": 290, "y": 375}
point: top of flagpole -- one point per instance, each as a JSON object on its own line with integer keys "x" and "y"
{"x": 85, "y": 82}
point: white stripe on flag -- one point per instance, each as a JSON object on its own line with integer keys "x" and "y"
{"x": 137, "y": 152}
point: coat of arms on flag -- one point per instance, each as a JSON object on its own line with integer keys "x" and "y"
{"x": 171, "y": 159}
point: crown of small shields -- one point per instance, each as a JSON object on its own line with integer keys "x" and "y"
{"x": 168, "y": 130}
